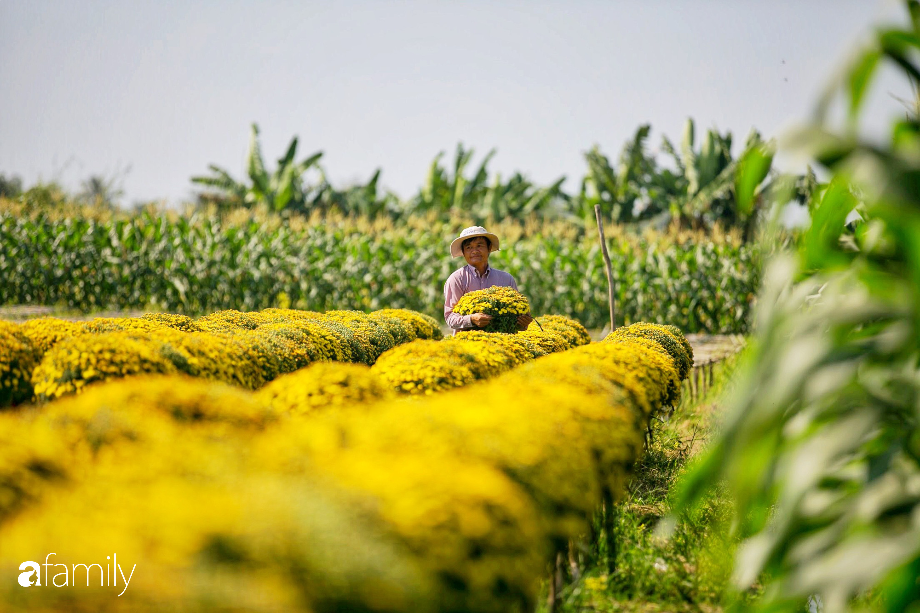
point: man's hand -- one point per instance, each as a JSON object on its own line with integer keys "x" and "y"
{"x": 480, "y": 320}
{"x": 523, "y": 321}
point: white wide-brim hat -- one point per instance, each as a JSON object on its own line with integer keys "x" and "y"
{"x": 471, "y": 232}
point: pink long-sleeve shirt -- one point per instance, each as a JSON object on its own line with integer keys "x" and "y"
{"x": 468, "y": 279}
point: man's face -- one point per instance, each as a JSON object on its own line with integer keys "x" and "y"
{"x": 476, "y": 252}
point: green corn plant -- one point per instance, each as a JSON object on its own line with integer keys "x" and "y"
{"x": 282, "y": 189}
{"x": 698, "y": 193}
{"x": 820, "y": 449}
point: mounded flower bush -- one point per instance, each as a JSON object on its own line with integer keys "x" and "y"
{"x": 324, "y": 386}
{"x": 425, "y": 326}
{"x": 54, "y": 357}
{"x": 46, "y": 332}
{"x": 669, "y": 337}
{"x": 18, "y": 357}
{"x": 426, "y": 367}
{"x": 575, "y": 334}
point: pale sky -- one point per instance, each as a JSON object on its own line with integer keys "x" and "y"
{"x": 167, "y": 87}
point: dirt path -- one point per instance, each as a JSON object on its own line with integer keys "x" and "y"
{"x": 710, "y": 348}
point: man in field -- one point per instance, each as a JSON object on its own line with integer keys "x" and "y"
{"x": 475, "y": 244}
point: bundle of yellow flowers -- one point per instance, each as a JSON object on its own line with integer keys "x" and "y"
{"x": 324, "y": 386}
{"x": 273, "y": 353}
{"x": 221, "y": 357}
{"x": 651, "y": 354}
{"x": 679, "y": 335}
{"x": 353, "y": 348}
{"x": 424, "y": 367}
{"x": 274, "y": 315}
{"x": 117, "y": 410}
{"x": 504, "y": 304}
{"x": 322, "y": 343}
{"x": 644, "y": 373}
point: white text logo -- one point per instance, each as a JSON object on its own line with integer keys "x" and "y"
{"x": 32, "y": 575}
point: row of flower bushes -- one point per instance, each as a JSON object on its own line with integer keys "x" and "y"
{"x": 422, "y": 367}
{"x": 48, "y": 358}
{"x": 454, "y": 501}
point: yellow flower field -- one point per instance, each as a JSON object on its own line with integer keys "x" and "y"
{"x": 326, "y": 489}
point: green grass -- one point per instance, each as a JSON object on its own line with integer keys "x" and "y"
{"x": 684, "y": 566}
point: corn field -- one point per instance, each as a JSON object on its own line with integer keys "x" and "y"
{"x": 196, "y": 264}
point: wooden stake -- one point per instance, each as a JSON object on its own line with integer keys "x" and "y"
{"x": 600, "y": 230}
{"x": 559, "y": 577}
{"x": 574, "y": 568}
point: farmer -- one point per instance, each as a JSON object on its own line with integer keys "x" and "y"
{"x": 475, "y": 244}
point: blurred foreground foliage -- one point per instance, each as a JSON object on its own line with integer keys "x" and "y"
{"x": 821, "y": 450}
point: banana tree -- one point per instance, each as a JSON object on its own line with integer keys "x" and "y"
{"x": 518, "y": 197}
{"x": 637, "y": 189}
{"x": 708, "y": 176}
{"x": 367, "y": 199}
{"x": 444, "y": 191}
{"x": 712, "y": 179}
{"x": 617, "y": 189}
{"x": 478, "y": 197}
{"x": 282, "y": 189}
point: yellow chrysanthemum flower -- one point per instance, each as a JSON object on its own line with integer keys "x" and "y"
{"x": 504, "y": 304}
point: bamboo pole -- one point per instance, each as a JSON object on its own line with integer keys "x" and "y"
{"x": 600, "y": 230}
